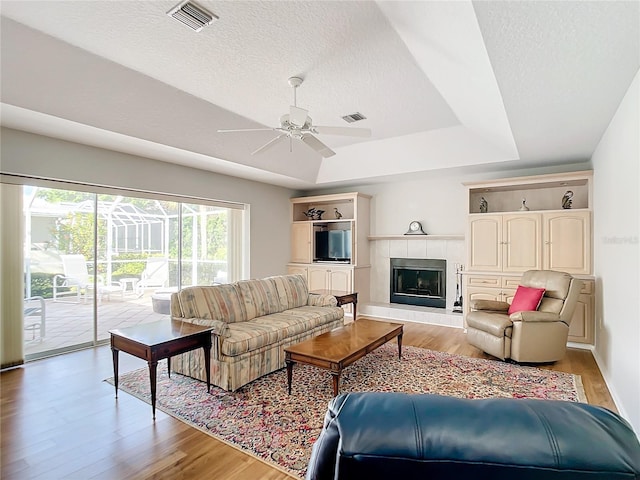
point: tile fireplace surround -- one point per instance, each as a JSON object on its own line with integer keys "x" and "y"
{"x": 450, "y": 248}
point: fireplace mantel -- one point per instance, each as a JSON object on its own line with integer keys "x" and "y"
{"x": 416, "y": 237}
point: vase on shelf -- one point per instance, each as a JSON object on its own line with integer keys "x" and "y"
{"x": 524, "y": 207}
{"x": 566, "y": 199}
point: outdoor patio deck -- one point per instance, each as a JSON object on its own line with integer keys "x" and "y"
{"x": 71, "y": 324}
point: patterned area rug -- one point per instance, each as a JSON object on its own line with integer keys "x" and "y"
{"x": 263, "y": 420}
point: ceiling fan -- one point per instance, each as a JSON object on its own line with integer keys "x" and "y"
{"x": 297, "y": 124}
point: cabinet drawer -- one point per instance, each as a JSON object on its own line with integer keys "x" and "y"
{"x": 510, "y": 282}
{"x": 483, "y": 281}
{"x": 588, "y": 287}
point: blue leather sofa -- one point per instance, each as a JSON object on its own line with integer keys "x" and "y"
{"x": 401, "y": 436}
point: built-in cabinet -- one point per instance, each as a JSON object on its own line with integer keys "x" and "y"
{"x": 527, "y": 223}
{"x": 330, "y": 278}
{"x": 567, "y": 241}
{"x": 530, "y": 241}
{"x": 347, "y": 212}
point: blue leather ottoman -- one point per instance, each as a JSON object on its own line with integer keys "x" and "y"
{"x": 402, "y": 436}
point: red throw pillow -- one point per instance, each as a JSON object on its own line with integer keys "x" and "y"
{"x": 526, "y": 299}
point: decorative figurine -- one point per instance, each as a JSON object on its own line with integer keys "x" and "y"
{"x": 566, "y": 199}
{"x": 524, "y": 207}
{"x": 310, "y": 214}
{"x": 337, "y": 213}
{"x": 319, "y": 214}
{"x": 484, "y": 206}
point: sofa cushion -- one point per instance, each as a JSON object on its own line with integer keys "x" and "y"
{"x": 221, "y": 302}
{"x": 247, "y": 336}
{"x": 292, "y": 291}
{"x": 259, "y": 297}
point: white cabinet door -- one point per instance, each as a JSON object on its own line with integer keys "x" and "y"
{"x": 582, "y": 322}
{"x": 340, "y": 280}
{"x": 521, "y": 243}
{"x": 301, "y": 250}
{"x": 567, "y": 242}
{"x": 485, "y": 248}
{"x": 318, "y": 278}
{"x": 330, "y": 278}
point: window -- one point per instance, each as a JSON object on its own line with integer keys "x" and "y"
{"x": 103, "y": 260}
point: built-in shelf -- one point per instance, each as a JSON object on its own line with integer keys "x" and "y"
{"x": 416, "y": 237}
{"x": 328, "y": 220}
{"x": 540, "y": 193}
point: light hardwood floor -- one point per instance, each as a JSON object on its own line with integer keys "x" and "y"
{"x": 59, "y": 420}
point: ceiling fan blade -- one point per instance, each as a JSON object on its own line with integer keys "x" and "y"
{"x": 297, "y": 116}
{"x": 270, "y": 143}
{"x": 317, "y": 145}
{"x": 353, "y": 132}
{"x": 246, "y": 130}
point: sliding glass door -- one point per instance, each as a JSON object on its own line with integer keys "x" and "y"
{"x": 204, "y": 245}
{"x": 95, "y": 262}
{"x": 59, "y": 253}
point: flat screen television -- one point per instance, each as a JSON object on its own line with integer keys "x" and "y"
{"x": 333, "y": 246}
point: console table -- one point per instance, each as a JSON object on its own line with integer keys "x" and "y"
{"x": 158, "y": 340}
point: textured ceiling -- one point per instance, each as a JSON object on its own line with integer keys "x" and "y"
{"x": 442, "y": 84}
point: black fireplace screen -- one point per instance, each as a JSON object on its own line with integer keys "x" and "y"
{"x": 418, "y": 282}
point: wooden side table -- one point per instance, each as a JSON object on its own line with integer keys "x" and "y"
{"x": 343, "y": 298}
{"x": 158, "y": 340}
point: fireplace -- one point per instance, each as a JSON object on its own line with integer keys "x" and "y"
{"x": 416, "y": 281}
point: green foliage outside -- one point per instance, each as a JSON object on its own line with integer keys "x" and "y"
{"x": 74, "y": 233}
{"x": 42, "y": 285}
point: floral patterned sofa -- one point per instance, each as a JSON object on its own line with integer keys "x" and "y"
{"x": 252, "y": 320}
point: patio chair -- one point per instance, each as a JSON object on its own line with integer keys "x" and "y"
{"x": 34, "y": 307}
{"x": 155, "y": 274}
{"x": 77, "y": 276}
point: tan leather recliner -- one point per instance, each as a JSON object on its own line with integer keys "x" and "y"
{"x": 539, "y": 336}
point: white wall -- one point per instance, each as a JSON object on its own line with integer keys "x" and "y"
{"x": 617, "y": 255}
{"x": 36, "y": 155}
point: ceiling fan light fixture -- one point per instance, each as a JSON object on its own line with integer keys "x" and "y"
{"x": 297, "y": 125}
{"x": 354, "y": 117}
{"x": 193, "y": 16}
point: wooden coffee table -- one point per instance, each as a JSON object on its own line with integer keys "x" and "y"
{"x": 158, "y": 340}
{"x": 339, "y": 348}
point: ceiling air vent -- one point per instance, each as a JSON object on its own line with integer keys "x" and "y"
{"x": 192, "y": 15}
{"x": 354, "y": 117}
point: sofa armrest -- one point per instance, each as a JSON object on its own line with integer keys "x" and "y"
{"x": 534, "y": 316}
{"x": 220, "y": 328}
{"x": 490, "y": 305}
{"x": 315, "y": 300}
